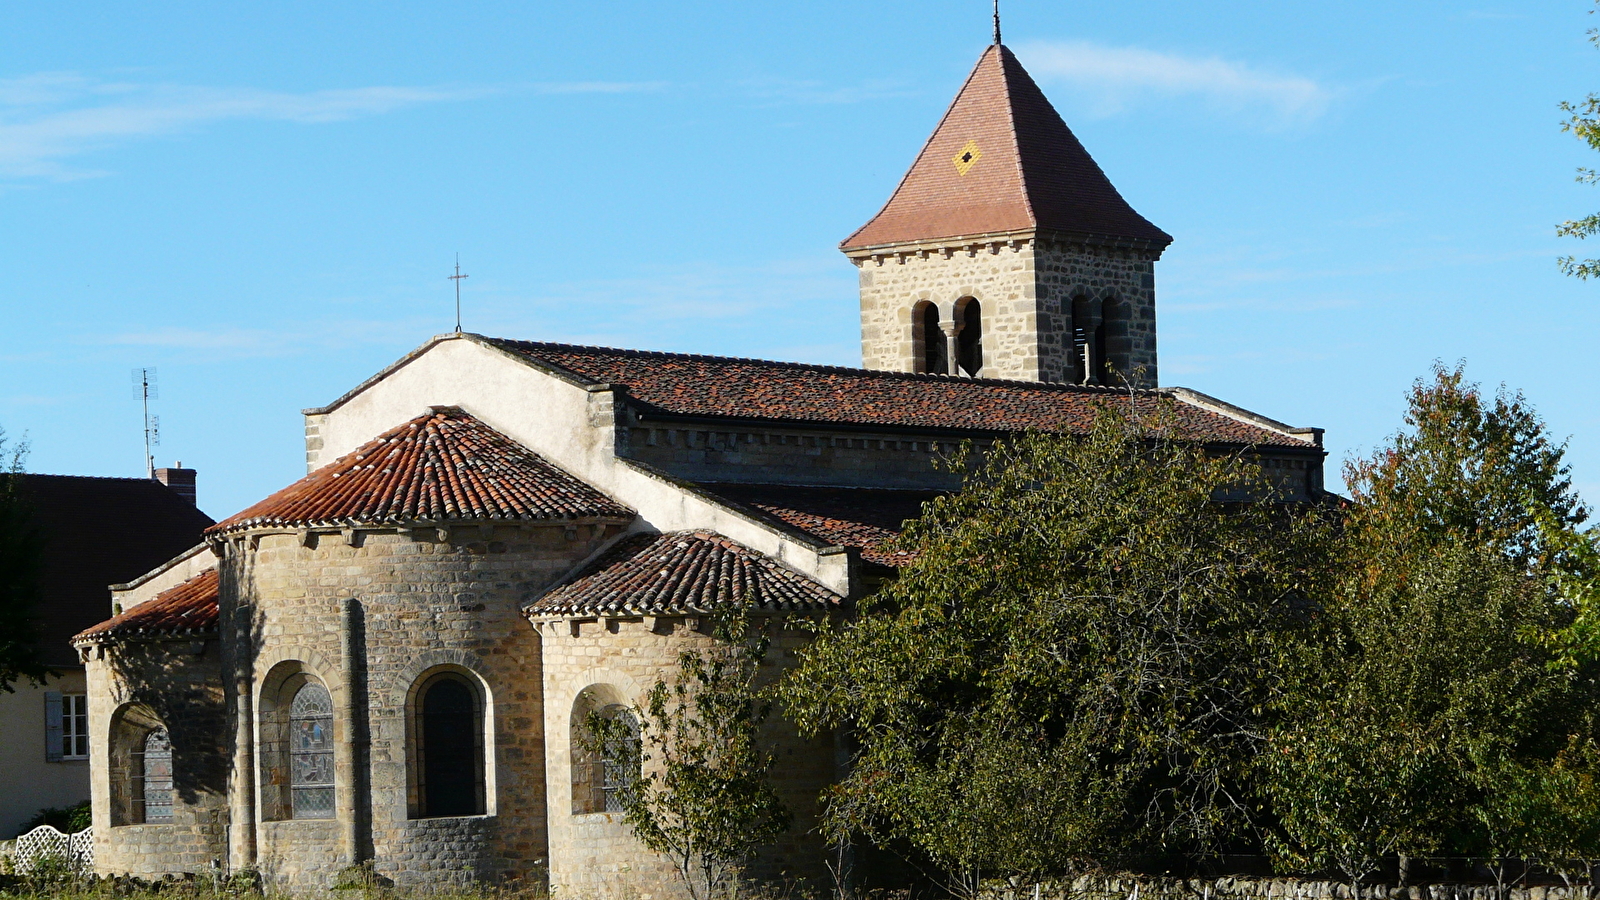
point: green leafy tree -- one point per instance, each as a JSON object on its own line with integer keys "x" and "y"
{"x": 1428, "y": 708}
{"x": 1074, "y": 666}
{"x": 20, "y": 561}
{"x": 701, "y": 796}
{"x": 1583, "y": 120}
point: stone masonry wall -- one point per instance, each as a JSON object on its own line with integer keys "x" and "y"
{"x": 135, "y": 687}
{"x": 1026, "y": 290}
{"x": 1124, "y": 887}
{"x": 792, "y": 456}
{"x": 428, "y": 601}
{"x": 594, "y": 855}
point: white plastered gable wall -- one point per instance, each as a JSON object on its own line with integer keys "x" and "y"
{"x": 570, "y": 424}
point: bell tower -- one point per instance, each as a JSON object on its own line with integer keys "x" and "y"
{"x": 1006, "y": 253}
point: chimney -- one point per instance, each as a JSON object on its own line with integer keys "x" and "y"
{"x": 179, "y": 479}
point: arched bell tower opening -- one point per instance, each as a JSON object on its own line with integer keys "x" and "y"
{"x": 969, "y": 336}
{"x": 930, "y": 346}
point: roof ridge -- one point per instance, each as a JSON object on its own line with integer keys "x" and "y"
{"x": 1002, "y": 53}
{"x": 937, "y": 378}
{"x": 932, "y": 135}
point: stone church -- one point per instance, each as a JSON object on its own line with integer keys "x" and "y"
{"x": 387, "y": 660}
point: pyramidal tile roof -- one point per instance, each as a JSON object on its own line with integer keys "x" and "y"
{"x": 188, "y": 608}
{"x": 445, "y": 466}
{"x": 684, "y": 572}
{"x": 1002, "y": 161}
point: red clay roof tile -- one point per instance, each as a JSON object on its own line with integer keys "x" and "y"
{"x": 189, "y": 608}
{"x": 866, "y": 518}
{"x": 685, "y": 572}
{"x": 1029, "y": 172}
{"x": 720, "y": 387}
{"x": 445, "y": 466}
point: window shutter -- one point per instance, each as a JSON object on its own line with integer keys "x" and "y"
{"x": 52, "y": 726}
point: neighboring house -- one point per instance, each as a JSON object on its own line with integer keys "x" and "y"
{"x": 98, "y": 532}
{"x": 389, "y": 659}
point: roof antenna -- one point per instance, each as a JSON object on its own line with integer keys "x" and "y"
{"x": 997, "y": 22}
{"x": 457, "y": 279}
{"x": 144, "y": 387}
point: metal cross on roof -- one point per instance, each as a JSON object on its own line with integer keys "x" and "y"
{"x": 457, "y": 279}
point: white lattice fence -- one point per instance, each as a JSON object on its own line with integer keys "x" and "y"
{"x": 45, "y": 842}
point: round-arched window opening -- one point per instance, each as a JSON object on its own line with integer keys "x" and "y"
{"x": 619, "y": 757}
{"x": 152, "y": 796}
{"x": 449, "y": 748}
{"x": 935, "y": 359}
{"x": 969, "y": 337}
{"x": 311, "y": 753}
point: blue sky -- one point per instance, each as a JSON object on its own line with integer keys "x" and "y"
{"x": 263, "y": 203}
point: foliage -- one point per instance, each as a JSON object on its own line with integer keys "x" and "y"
{"x": 702, "y": 796}
{"x": 1074, "y": 666}
{"x": 1432, "y": 707}
{"x": 20, "y": 548}
{"x": 65, "y": 819}
{"x": 1583, "y": 120}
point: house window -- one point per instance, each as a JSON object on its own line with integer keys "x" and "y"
{"x": 311, "y": 753}
{"x": 449, "y": 748}
{"x": 153, "y": 779}
{"x": 74, "y": 726}
{"x": 66, "y": 723}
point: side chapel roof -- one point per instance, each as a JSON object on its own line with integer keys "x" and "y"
{"x": 1003, "y": 161}
{"x": 184, "y": 609}
{"x": 722, "y": 387}
{"x": 444, "y": 466}
{"x": 683, "y": 572}
{"x": 866, "y": 518}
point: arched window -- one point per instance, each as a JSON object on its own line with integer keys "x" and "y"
{"x": 152, "y": 785}
{"x": 969, "y": 336}
{"x": 601, "y": 773}
{"x": 1109, "y": 344}
{"x": 1088, "y": 341}
{"x": 311, "y": 753}
{"x": 449, "y": 750}
{"x": 619, "y": 758}
{"x": 934, "y": 349}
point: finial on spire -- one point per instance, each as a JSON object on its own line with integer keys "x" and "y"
{"x": 997, "y": 22}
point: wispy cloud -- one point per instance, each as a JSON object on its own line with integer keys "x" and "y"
{"x": 778, "y": 91}
{"x": 1116, "y": 77}
{"x": 48, "y": 118}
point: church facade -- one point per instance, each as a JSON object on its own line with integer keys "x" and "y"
{"x": 388, "y": 661}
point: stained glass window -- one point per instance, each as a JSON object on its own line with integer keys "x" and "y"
{"x": 311, "y": 753}
{"x": 619, "y": 759}
{"x": 154, "y": 794}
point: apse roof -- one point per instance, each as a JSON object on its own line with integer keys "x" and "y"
{"x": 444, "y": 466}
{"x": 1003, "y": 161}
{"x": 188, "y": 608}
{"x": 683, "y": 572}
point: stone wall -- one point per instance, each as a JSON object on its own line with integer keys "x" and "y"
{"x": 1026, "y": 290}
{"x": 1127, "y": 887}
{"x": 410, "y": 604}
{"x": 594, "y": 854}
{"x": 136, "y": 687}
{"x": 758, "y": 455}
